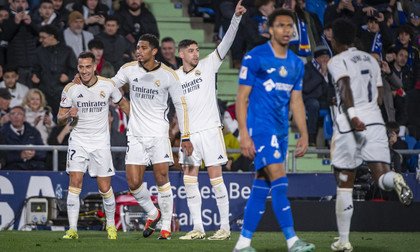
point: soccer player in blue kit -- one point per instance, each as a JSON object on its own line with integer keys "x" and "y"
{"x": 269, "y": 80}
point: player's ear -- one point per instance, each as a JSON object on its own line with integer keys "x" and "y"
{"x": 181, "y": 54}
{"x": 270, "y": 30}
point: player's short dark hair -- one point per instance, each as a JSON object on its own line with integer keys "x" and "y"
{"x": 152, "y": 39}
{"x": 186, "y": 43}
{"x": 95, "y": 43}
{"x": 10, "y": 68}
{"x": 405, "y": 29}
{"x": 86, "y": 55}
{"x": 50, "y": 29}
{"x": 168, "y": 39}
{"x": 401, "y": 48}
{"x": 344, "y": 31}
{"x": 279, "y": 12}
{"x": 112, "y": 18}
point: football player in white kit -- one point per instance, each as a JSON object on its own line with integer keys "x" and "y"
{"x": 359, "y": 130}
{"x": 89, "y": 142}
{"x": 198, "y": 79}
{"x": 148, "y": 129}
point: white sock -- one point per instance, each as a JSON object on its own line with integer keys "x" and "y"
{"x": 109, "y": 206}
{"x": 386, "y": 181}
{"x": 142, "y": 196}
{"x": 242, "y": 242}
{"x": 291, "y": 241}
{"x": 344, "y": 212}
{"x": 166, "y": 204}
{"x": 222, "y": 201}
{"x": 73, "y": 206}
{"x": 194, "y": 201}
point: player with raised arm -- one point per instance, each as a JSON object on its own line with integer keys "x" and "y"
{"x": 150, "y": 83}
{"x": 198, "y": 79}
{"x": 359, "y": 130}
{"x": 89, "y": 142}
{"x": 269, "y": 80}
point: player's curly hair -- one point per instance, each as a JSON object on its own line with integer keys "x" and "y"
{"x": 186, "y": 43}
{"x": 344, "y": 31}
{"x": 152, "y": 39}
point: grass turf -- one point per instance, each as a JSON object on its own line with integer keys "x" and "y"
{"x": 262, "y": 241}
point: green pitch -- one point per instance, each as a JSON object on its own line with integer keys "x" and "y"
{"x": 134, "y": 241}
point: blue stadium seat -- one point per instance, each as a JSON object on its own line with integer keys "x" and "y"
{"x": 411, "y": 141}
{"x": 328, "y": 129}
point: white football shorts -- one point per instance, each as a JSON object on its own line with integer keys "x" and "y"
{"x": 209, "y": 146}
{"x": 148, "y": 150}
{"x": 371, "y": 146}
{"x": 97, "y": 161}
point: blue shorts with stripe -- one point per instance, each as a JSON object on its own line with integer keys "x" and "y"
{"x": 270, "y": 150}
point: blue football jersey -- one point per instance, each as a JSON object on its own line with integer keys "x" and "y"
{"x": 272, "y": 80}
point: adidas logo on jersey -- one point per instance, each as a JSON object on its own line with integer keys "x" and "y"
{"x": 109, "y": 170}
{"x": 80, "y": 96}
{"x": 166, "y": 156}
{"x": 135, "y": 80}
{"x": 220, "y": 157}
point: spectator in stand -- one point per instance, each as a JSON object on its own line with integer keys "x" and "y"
{"x": 3, "y": 154}
{"x": 255, "y": 25}
{"x": 405, "y": 73}
{"x": 45, "y": 15}
{"x": 4, "y": 14}
{"x": 375, "y": 35}
{"x": 396, "y": 143}
{"x": 396, "y": 158}
{"x": 390, "y": 84}
{"x": 413, "y": 111}
{"x": 167, "y": 56}
{"x": 16, "y": 89}
{"x": 315, "y": 89}
{"x": 61, "y": 11}
{"x": 75, "y": 36}
{"x": 116, "y": 47}
{"x": 19, "y": 132}
{"x": 135, "y": 20}
{"x": 94, "y": 13}
{"x": 21, "y": 34}
{"x": 103, "y": 67}
{"x": 117, "y": 139}
{"x": 60, "y": 136}
{"x": 305, "y": 37}
{"x": 326, "y": 38}
{"x": 38, "y": 114}
{"x": 5, "y": 98}
{"x": 344, "y": 8}
{"x": 55, "y": 62}
{"x": 404, "y": 38}
{"x": 414, "y": 23}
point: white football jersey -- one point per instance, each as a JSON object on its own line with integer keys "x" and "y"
{"x": 199, "y": 86}
{"x": 365, "y": 78}
{"x": 92, "y": 128}
{"x": 148, "y": 99}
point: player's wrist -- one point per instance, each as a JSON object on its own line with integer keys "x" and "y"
{"x": 351, "y": 112}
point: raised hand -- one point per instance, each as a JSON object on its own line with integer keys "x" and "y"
{"x": 239, "y": 10}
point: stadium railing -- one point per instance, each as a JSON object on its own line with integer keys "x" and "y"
{"x": 56, "y": 148}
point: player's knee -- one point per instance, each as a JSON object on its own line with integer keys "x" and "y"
{"x": 134, "y": 183}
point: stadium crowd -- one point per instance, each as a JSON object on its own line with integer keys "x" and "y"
{"x": 41, "y": 39}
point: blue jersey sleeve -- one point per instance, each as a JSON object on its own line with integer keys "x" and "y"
{"x": 248, "y": 72}
{"x": 301, "y": 72}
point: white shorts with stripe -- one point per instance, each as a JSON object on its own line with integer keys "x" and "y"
{"x": 97, "y": 161}
{"x": 209, "y": 146}
{"x": 148, "y": 150}
{"x": 372, "y": 147}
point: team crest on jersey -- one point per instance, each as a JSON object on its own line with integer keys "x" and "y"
{"x": 102, "y": 94}
{"x": 283, "y": 71}
{"x": 277, "y": 154}
{"x": 197, "y": 73}
{"x": 157, "y": 83}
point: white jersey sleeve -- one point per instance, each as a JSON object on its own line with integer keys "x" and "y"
{"x": 116, "y": 95}
{"x": 338, "y": 69}
{"x": 180, "y": 103}
{"x": 121, "y": 78}
{"x": 66, "y": 98}
{"x": 226, "y": 43}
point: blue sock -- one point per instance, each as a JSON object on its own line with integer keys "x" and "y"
{"x": 255, "y": 207}
{"x": 281, "y": 206}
